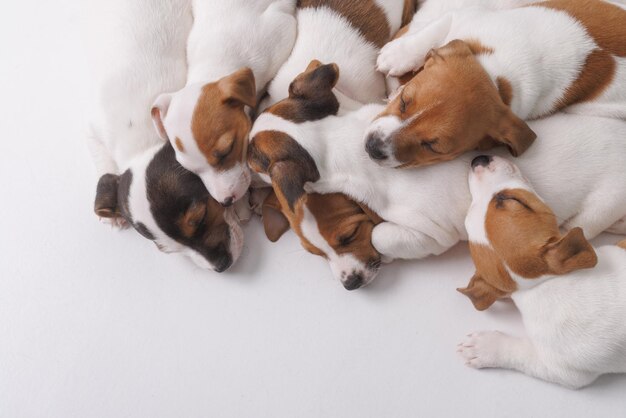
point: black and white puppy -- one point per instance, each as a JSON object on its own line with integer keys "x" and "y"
{"x": 138, "y": 51}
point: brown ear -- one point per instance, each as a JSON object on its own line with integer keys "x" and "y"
{"x": 481, "y": 293}
{"x": 158, "y": 113}
{"x": 570, "y": 253}
{"x": 313, "y": 65}
{"x": 239, "y": 88}
{"x": 622, "y": 244}
{"x": 105, "y": 205}
{"x": 514, "y": 133}
{"x": 274, "y": 222}
{"x": 290, "y": 177}
{"x": 454, "y": 47}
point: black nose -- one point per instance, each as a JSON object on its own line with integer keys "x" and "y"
{"x": 482, "y": 160}
{"x": 228, "y": 201}
{"x": 354, "y": 281}
{"x": 373, "y": 146}
{"x": 223, "y": 263}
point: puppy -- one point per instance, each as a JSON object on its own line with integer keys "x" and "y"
{"x": 235, "y": 48}
{"x": 424, "y": 210}
{"x": 138, "y": 51}
{"x": 332, "y": 225}
{"x": 490, "y": 70}
{"x": 349, "y": 33}
{"x": 573, "y": 314}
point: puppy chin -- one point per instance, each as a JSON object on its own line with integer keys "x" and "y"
{"x": 229, "y": 186}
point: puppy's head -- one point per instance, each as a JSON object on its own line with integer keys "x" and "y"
{"x": 514, "y": 237}
{"x": 171, "y": 207}
{"x": 449, "y": 107}
{"x": 331, "y": 226}
{"x": 208, "y": 127}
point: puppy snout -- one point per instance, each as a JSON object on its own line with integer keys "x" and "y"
{"x": 223, "y": 263}
{"x": 228, "y": 201}
{"x": 482, "y": 161}
{"x": 374, "y": 146}
{"x": 354, "y": 281}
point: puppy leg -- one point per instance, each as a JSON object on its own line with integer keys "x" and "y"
{"x": 408, "y": 52}
{"x": 395, "y": 241}
{"x": 493, "y": 349}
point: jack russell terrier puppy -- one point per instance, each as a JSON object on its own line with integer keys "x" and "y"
{"x": 330, "y": 225}
{"x": 572, "y": 298}
{"x": 490, "y": 70}
{"x": 138, "y": 52}
{"x": 235, "y": 48}
{"x": 349, "y": 33}
{"x": 424, "y": 210}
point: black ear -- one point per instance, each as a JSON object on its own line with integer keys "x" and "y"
{"x": 106, "y": 205}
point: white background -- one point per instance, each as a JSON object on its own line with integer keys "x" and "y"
{"x": 97, "y": 323}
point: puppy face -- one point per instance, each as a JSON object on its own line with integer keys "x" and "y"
{"x": 208, "y": 128}
{"x": 171, "y": 207}
{"x": 331, "y": 226}
{"x": 449, "y": 107}
{"x": 514, "y": 237}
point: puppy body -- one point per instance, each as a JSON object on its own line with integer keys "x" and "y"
{"x": 573, "y": 313}
{"x": 137, "y": 51}
{"x": 425, "y": 208}
{"x": 349, "y": 33}
{"x": 551, "y": 54}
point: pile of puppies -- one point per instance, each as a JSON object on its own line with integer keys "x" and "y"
{"x": 208, "y": 110}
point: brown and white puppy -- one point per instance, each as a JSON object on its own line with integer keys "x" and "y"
{"x": 332, "y": 226}
{"x": 235, "y": 48}
{"x": 573, "y": 314}
{"x": 491, "y": 70}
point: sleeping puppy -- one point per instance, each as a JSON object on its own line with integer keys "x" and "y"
{"x": 139, "y": 51}
{"x": 573, "y": 313}
{"x": 331, "y": 226}
{"x": 349, "y": 33}
{"x": 490, "y": 70}
{"x": 424, "y": 210}
{"x": 235, "y": 48}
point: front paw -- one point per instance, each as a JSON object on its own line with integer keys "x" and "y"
{"x": 396, "y": 59}
{"x": 483, "y": 349}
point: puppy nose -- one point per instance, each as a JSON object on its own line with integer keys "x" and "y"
{"x": 354, "y": 281}
{"x": 373, "y": 146}
{"x": 228, "y": 201}
{"x": 482, "y": 160}
{"x": 223, "y": 263}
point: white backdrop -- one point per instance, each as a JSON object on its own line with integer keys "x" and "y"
{"x": 97, "y": 323}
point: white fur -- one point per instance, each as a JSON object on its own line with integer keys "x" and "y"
{"x": 227, "y": 36}
{"x": 575, "y": 323}
{"x": 540, "y": 52}
{"x": 329, "y": 37}
{"x": 137, "y": 50}
{"x": 425, "y": 208}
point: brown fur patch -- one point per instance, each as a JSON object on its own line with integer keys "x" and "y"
{"x": 408, "y": 11}
{"x": 364, "y": 15}
{"x": 622, "y": 244}
{"x": 595, "y": 77}
{"x": 505, "y": 89}
{"x": 478, "y": 48}
{"x": 220, "y": 125}
{"x": 605, "y": 22}
{"x": 179, "y": 145}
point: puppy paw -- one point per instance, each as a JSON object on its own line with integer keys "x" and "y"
{"x": 243, "y": 210}
{"x": 482, "y": 349}
{"x": 396, "y": 59}
{"x": 115, "y": 222}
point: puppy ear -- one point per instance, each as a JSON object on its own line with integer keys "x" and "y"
{"x": 514, "y": 133}
{"x": 454, "y": 47}
{"x": 313, "y": 65}
{"x": 158, "y": 112}
{"x": 481, "y": 293}
{"x": 622, "y": 244}
{"x": 274, "y": 222}
{"x": 106, "y": 205}
{"x": 570, "y": 253}
{"x": 288, "y": 178}
{"x": 239, "y": 88}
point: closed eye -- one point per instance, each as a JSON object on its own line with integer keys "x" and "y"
{"x": 503, "y": 197}
{"x": 346, "y": 240}
{"x": 222, "y": 154}
{"x": 402, "y": 104}
{"x": 430, "y": 145}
